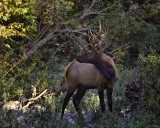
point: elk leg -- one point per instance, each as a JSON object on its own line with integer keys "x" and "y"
{"x": 77, "y": 99}
{"x": 109, "y": 97}
{"x": 101, "y": 97}
{"x": 66, "y": 100}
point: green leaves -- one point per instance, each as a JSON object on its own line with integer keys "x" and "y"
{"x": 151, "y": 79}
{"x": 16, "y": 18}
{"x": 13, "y": 29}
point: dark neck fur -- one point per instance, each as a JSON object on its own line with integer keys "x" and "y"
{"x": 107, "y": 70}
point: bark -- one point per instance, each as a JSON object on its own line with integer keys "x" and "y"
{"x": 33, "y": 47}
{"x": 42, "y": 42}
{"x": 52, "y": 35}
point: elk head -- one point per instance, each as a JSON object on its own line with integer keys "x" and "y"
{"x": 90, "y": 56}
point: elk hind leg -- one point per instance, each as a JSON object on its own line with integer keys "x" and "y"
{"x": 70, "y": 92}
{"x": 77, "y": 99}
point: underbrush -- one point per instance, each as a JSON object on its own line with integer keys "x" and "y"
{"x": 18, "y": 79}
{"x": 50, "y": 116}
{"x": 17, "y": 75}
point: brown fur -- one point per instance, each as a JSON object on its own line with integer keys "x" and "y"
{"x": 109, "y": 60}
{"x": 102, "y": 62}
{"x": 83, "y": 76}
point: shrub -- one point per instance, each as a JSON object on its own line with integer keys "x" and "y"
{"x": 150, "y": 80}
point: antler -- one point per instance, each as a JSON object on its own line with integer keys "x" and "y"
{"x": 99, "y": 39}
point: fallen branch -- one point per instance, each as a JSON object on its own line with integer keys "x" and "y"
{"x": 34, "y": 46}
{"x": 37, "y": 97}
{"x": 52, "y": 35}
{"x": 42, "y": 42}
{"x": 26, "y": 106}
{"x": 31, "y": 100}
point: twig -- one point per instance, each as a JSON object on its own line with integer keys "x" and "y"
{"x": 43, "y": 31}
{"x": 78, "y": 30}
{"x": 125, "y": 45}
{"x": 87, "y": 12}
{"x": 40, "y": 35}
{"x": 21, "y": 60}
{"x": 34, "y": 88}
{"x": 37, "y": 97}
{"x": 26, "y": 106}
{"x": 31, "y": 100}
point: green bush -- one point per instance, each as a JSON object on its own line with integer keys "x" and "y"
{"x": 151, "y": 80}
{"x": 18, "y": 20}
{"x": 17, "y": 76}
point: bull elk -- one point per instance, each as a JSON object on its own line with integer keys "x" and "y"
{"x": 91, "y": 70}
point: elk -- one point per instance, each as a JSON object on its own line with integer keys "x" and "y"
{"x": 91, "y": 70}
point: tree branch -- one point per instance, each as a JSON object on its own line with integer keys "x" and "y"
{"x": 88, "y": 11}
{"x": 33, "y": 47}
{"x": 39, "y": 44}
{"x": 35, "y": 98}
{"x": 52, "y": 35}
{"x": 125, "y": 46}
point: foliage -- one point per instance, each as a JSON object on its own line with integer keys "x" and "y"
{"x": 93, "y": 103}
{"x": 151, "y": 80}
{"x": 17, "y": 76}
{"x": 53, "y": 12}
{"x": 141, "y": 118}
{"x": 17, "y": 20}
{"x": 133, "y": 36}
{"x": 130, "y": 27}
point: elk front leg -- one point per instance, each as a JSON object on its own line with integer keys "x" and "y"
{"x": 109, "y": 97}
{"x": 101, "y": 97}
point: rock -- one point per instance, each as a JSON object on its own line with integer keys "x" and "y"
{"x": 126, "y": 113}
{"x": 38, "y": 107}
{"x": 71, "y": 118}
{"x": 11, "y": 105}
{"x": 21, "y": 119}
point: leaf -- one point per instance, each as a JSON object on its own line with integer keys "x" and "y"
{"x": 5, "y": 18}
{"x": 8, "y": 46}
